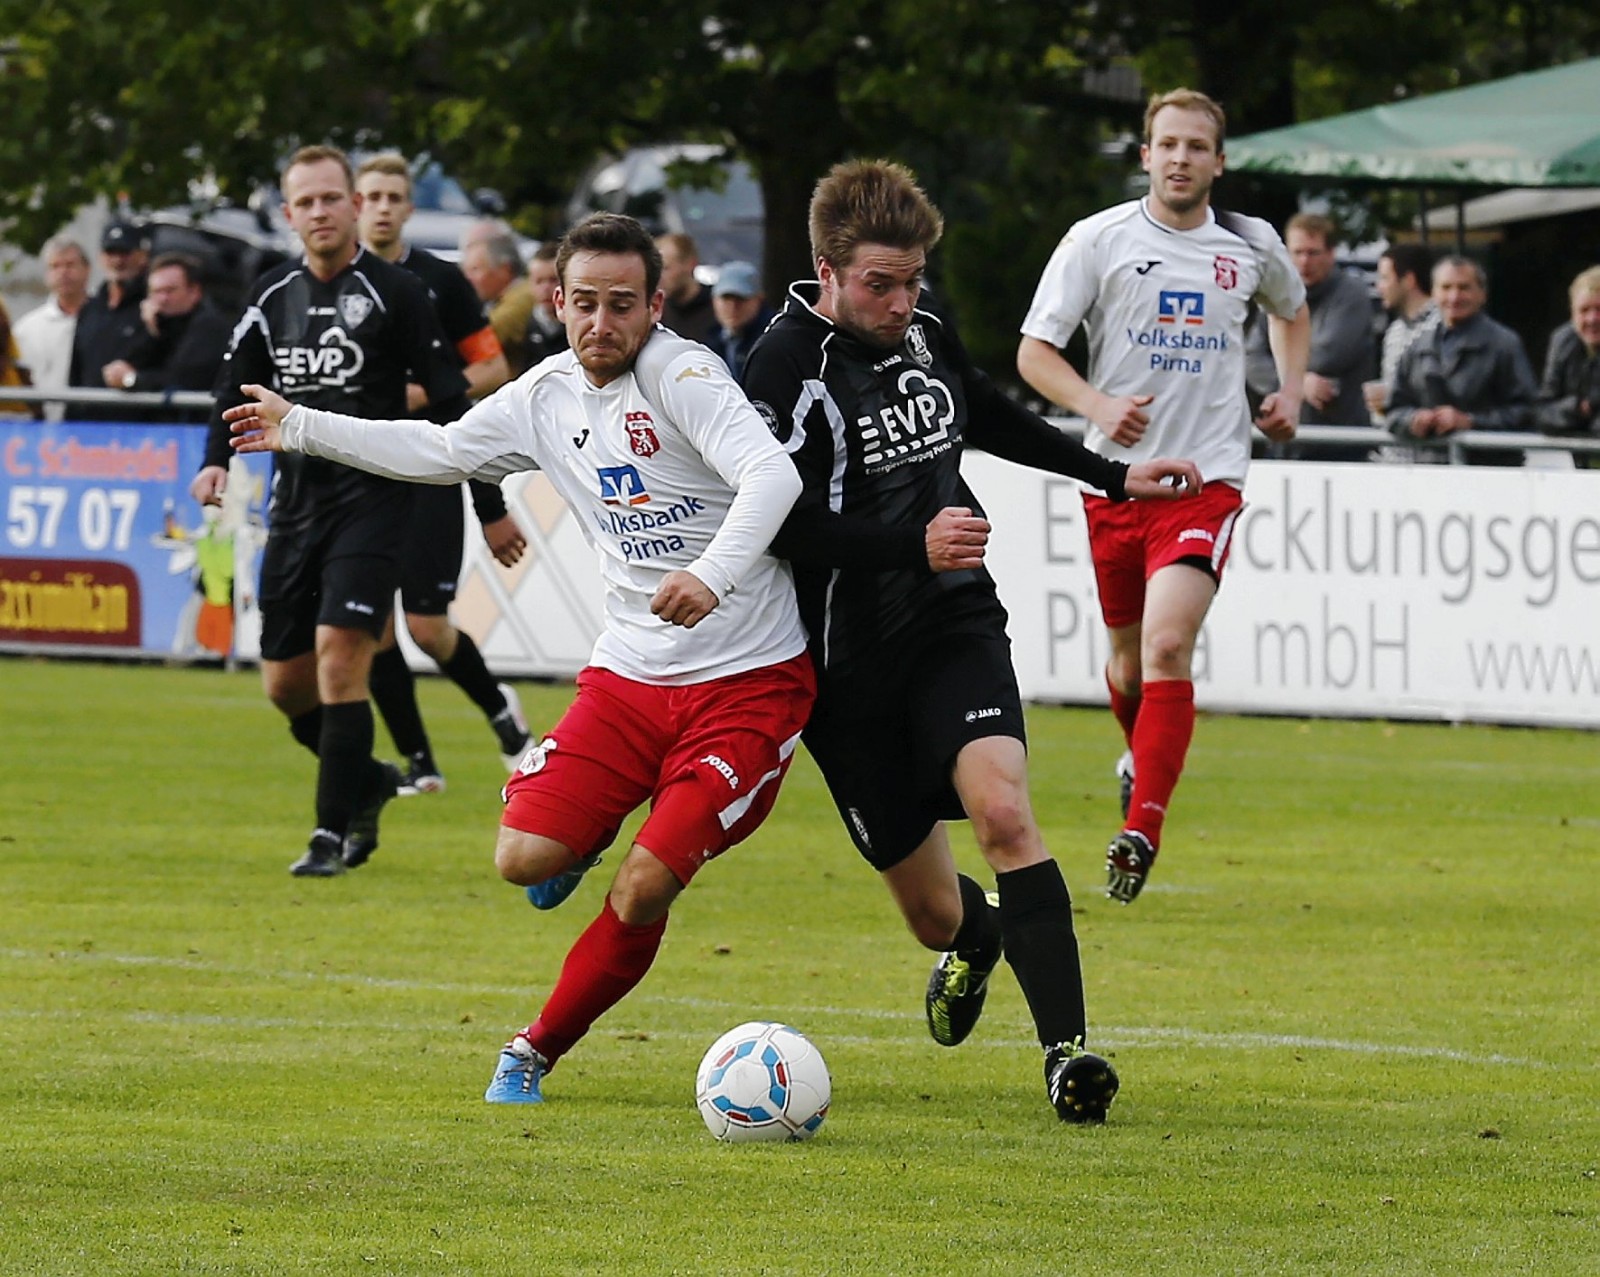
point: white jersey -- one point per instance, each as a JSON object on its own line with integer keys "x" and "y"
{"x": 668, "y": 468}
{"x": 44, "y": 345}
{"x": 1165, "y": 314}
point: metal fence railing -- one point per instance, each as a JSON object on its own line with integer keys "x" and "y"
{"x": 1453, "y": 449}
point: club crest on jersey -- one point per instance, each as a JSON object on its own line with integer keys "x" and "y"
{"x": 917, "y": 346}
{"x": 641, "y": 434}
{"x": 354, "y": 308}
{"x": 1227, "y": 269}
{"x": 621, "y": 485}
{"x": 1176, "y": 307}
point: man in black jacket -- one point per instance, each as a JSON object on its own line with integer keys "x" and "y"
{"x": 185, "y": 333}
{"x": 918, "y": 718}
{"x": 109, "y": 325}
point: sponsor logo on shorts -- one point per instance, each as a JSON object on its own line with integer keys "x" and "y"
{"x": 1196, "y": 534}
{"x": 974, "y": 715}
{"x": 860, "y": 827}
{"x": 366, "y": 609}
{"x": 720, "y": 766}
{"x": 534, "y": 760}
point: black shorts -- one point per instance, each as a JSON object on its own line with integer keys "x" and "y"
{"x": 888, "y": 759}
{"x": 434, "y": 545}
{"x": 341, "y": 570}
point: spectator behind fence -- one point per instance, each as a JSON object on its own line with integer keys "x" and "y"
{"x": 12, "y": 372}
{"x": 109, "y": 325}
{"x": 185, "y": 333}
{"x": 492, "y": 260}
{"x": 740, "y": 305}
{"x": 1404, "y": 274}
{"x": 547, "y": 335}
{"x": 44, "y": 334}
{"x": 1341, "y": 343}
{"x": 687, "y": 310}
{"x": 1469, "y": 373}
{"x": 1569, "y": 394}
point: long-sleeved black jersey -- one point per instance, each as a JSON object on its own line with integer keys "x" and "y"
{"x": 461, "y": 316}
{"x": 348, "y": 344}
{"x": 877, "y": 436}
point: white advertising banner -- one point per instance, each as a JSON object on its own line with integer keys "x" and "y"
{"x": 1432, "y": 592}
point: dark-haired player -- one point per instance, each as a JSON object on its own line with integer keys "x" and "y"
{"x": 699, "y": 684}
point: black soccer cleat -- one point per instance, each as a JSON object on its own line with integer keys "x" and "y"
{"x": 957, "y": 988}
{"x": 323, "y": 857}
{"x": 421, "y": 776}
{"x": 1129, "y": 859}
{"x": 361, "y": 838}
{"x": 511, "y": 728}
{"x": 1080, "y": 1085}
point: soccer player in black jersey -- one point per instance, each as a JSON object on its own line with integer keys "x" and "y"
{"x": 340, "y": 329}
{"x": 432, "y": 560}
{"x": 918, "y": 718}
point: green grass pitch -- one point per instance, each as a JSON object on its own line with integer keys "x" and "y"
{"x": 1355, "y": 1016}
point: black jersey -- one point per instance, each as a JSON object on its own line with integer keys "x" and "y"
{"x": 461, "y": 315}
{"x": 455, "y": 301}
{"x": 877, "y": 436}
{"x": 349, "y": 344}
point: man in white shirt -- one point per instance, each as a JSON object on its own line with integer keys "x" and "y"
{"x": 44, "y": 335}
{"x": 1164, "y": 286}
{"x": 699, "y": 684}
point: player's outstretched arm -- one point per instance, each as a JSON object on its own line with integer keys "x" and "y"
{"x": 1162, "y": 479}
{"x": 255, "y": 424}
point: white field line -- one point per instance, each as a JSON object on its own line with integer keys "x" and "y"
{"x": 1105, "y": 1036}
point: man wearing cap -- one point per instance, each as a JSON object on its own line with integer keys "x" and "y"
{"x": 109, "y": 325}
{"x": 740, "y": 305}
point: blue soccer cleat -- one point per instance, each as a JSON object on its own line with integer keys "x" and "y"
{"x": 552, "y": 891}
{"x": 517, "y": 1074}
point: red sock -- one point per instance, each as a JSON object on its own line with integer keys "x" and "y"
{"x": 1160, "y": 744}
{"x": 1124, "y": 707}
{"x": 602, "y": 967}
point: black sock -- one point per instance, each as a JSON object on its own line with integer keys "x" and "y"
{"x": 345, "y": 777}
{"x": 467, "y": 671}
{"x": 394, "y": 692}
{"x": 1036, "y": 922}
{"x": 307, "y": 728}
{"x": 978, "y": 939}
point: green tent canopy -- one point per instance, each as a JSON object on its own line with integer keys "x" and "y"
{"x": 1537, "y": 129}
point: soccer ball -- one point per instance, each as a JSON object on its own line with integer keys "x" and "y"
{"x": 763, "y": 1081}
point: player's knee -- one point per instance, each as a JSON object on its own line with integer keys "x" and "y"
{"x": 526, "y": 859}
{"x": 643, "y": 889}
{"x": 1166, "y": 653}
{"x": 1123, "y": 670}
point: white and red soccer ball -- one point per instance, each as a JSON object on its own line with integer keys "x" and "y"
{"x": 763, "y": 1081}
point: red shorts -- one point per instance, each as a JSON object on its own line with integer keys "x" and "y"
{"x": 1131, "y": 541}
{"x": 708, "y": 756}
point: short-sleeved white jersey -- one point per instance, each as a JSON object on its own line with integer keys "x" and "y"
{"x": 667, "y": 468}
{"x": 1165, "y": 313}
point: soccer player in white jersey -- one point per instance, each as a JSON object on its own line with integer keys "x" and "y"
{"x": 1163, "y": 286}
{"x": 698, "y": 686}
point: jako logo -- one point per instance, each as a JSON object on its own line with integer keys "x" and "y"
{"x": 718, "y": 765}
{"x": 621, "y": 485}
{"x": 1179, "y": 307}
{"x": 973, "y": 715}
